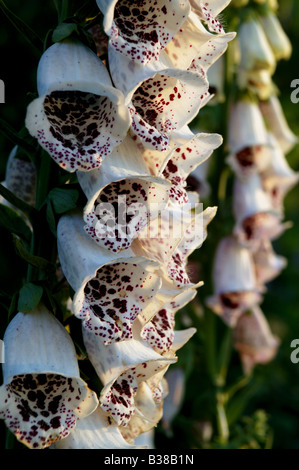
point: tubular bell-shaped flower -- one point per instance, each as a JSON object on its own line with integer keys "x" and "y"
{"x": 122, "y": 197}
{"x": 256, "y": 218}
{"x": 254, "y": 340}
{"x": 267, "y": 264}
{"x": 256, "y": 53}
{"x": 235, "y": 287}
{"x": 121, "y": 367}
{"x": 277, "y": 38}
{"x": 42, "y": 396}
{"x": 79, "y": 116}
{"x": 278, "y": 177}
{"x": 20, "y": 176}
{"x": 275, "y": 119}
{"x": 110, "y": 290}
{"x": 246, "y": 127}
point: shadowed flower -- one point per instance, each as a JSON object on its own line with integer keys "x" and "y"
{"x": 256, "y": 53}
{"x": 110, "y": 290}
{"x": 246, "y": 127}
{"x": 254, "y": 340}
{"x": 235, "y": 286}
{"x": 42, "y": 396}
{"x": 79, "y": 116}
{"x": 278, "y": 177}
{"x": 277, "y": 123}
{"x": 267, "y": 264}
{"x": 20, "y": 176}
{"x": 278, "y": 40}
{"x": 256, "y": 218}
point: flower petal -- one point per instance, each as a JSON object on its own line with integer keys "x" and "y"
{"x": 94, "y": 432}
{"x": 141, "y": 31}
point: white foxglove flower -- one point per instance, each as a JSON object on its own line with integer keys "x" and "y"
{"x": 122, "y": 197}
{"x": 121, "y": 367}
{"x": 142, "y": 31}
{"x": 278, "y": 177}
{"x": 42, "y": 395}
{"x": 267, "y": 264}
{"x": 79, "y": 116}
{"x": 256, "y": 218}
{"x": 276, "y": 36}
{"x": 96, "y": 431}
{"x": 235, "y": 287}
{"x": 110, "y": 290}
{"x": 258, "y": 82}
{"x": 250, "y": 160}
{"x": 277, "y": 123}
{"x": 256, "y": 52}
{"x": 246, "y": 127}
{"x": 254, "y": 340}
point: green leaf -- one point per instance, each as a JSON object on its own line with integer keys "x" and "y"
{"x": 29, "y": 297}
{"x": 22, "y": 27}
{"x": 63, "y": 200}
{"x": 36, "y": 261}
{"x": 14, "y": 222}
{"x": 62, "y": 31}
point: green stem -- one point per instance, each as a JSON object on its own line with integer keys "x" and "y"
{"x": 222, "y": 424}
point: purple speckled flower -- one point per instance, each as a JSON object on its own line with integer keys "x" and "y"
{"x": 79, "y": 116}
{"x": 42, "y": 396}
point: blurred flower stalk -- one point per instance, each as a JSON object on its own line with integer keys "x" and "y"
{"x": 258, "y": 139}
